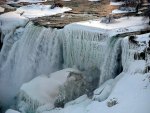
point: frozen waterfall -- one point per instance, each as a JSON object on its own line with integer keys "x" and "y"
{"x": 36, "y": 52}
{"x": 87, "y": 49}
{"x": 112, "y": 65}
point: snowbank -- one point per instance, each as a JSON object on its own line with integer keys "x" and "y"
{"x": 11, "y": 111}
{"x": 116, "y": 3}
{"x": 66, "y": 0}
{"x": 29, "y": 1}
{"x": 117, "y": 11}
{"x": 121, "y": 25}
{"x": 39, "y": 10}
{"x": 94, "y": 0}
{"x": 1, "y": 10}
{"x": 129, "y": 91}
{"x": 75, "y": 106}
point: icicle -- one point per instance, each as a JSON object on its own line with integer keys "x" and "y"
{"x": 112, "y": 62}
{"x": 8, "y": 42}
{"x": 84, "y": 49}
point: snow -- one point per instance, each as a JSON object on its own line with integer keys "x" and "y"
{"x": 94, "y": 0}
{"x": 11, "y": 111}
{"x": 144, "y": 37}
{"x": 129, "y": 51}
{"x": 45, "y": 90}
{"x": 1, "y": 9}
{"x": 124, "y": 22}
{"x": 76, "y": 106}
{"x": 42, "y": 90}
{"x": 103, "y": 91}
{"x": 66, "y": 0}
{"x": 29, "y": 1}
{"x": 39, "y": 10}
{"x": 10, "y": 21}
{"x": 117, "y": 11}
{"x": 130, "y": 90}
{"x": 121, "y": 25}
{"x": 116, "y": 3}
{"x": 134, "y": 67}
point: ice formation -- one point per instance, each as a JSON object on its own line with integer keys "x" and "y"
{"x": 91, "y": 46}
{"x": 10, "y": 21}
{"x": 28, "y": 57}
{"x": 54, "y": 90}
{"x": 82, "y": 48}
{"x": 129, "y": 88}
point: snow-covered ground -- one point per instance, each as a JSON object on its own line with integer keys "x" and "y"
{"x": 117, "y": 11}
{"x": 116, "y": 3}
{"x": 94, "y": 0}
{"x": 11, "y": 111}
{"x": 1, "y": 9}
{"x": 29, "y": 1}
{"x": 121, "y": 25}
{"x": 129, "y": 92}
{"x": 39, "y": 10}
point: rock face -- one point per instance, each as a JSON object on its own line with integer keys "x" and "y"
{"x": 61, "y": 20}
{"x": 74, "y": 87}
{"x": 112, "y": 102}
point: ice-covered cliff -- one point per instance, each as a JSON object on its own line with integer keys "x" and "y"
{"x": 131, "y": 88}
{"x": 91, "y": 47}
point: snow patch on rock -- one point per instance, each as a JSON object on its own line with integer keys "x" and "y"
{"x": 39, "y": 10}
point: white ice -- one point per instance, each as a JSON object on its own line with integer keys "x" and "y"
{"x": 11, "y": 111}
{"x": 10, "y": 21}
